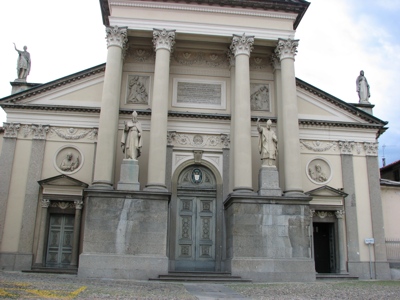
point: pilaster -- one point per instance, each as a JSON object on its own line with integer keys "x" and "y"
{"x": 341, "y": 241}
{"x": 163, "y": 41}
{"x": 285, "y": 51}
{"x": 6, "y": 163}
{"x": 77, "y": 229}
{"x": 242, "y": 162}
{"x": 108, "y": 123}
{"x": 42, "y": 233}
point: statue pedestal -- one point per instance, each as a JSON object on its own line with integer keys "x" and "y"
{"x": 268, "y": 181}
{"x": 20, "y": 85}
{"x": 129, "y": 178}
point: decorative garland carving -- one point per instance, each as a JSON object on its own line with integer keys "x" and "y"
{"x": 198, "y": 140}
{"x": 74, "y": 133}
{"x": 318, "y": 146}
{"x": 258, "y": 63}
{"x": 323, "y": 214}
{"x": 141, "y": 55}
{"x": 11, "y": 130}
{"x": 62, "y": 204}
{"x": 209, "y": 59}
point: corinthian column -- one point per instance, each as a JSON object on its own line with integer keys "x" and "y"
{"x": 286, "y": 50}
{"x": 163, "y": 41}
{"x": 242, "y": 172}
{"x": 108, "y": 124}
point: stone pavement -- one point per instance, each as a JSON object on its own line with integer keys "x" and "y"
{"x": 18, "y": 285}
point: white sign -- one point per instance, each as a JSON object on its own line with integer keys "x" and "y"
{"x": 370, "y": 241}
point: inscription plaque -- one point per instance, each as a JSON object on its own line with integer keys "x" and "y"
{"x": 201, "y": 94}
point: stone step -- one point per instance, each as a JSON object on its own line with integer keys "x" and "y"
{"x": 199, "y": 277}
{"x": 330, "y": 276}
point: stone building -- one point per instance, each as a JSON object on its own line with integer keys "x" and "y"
{"x": 201, "y": 76}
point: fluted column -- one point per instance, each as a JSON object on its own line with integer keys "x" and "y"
{"x": 108, "y": 124}
{"x": 163, "y": 41}
{"x": 341, "y": 241}
{"x": 77, "y": 230}
{"x": 286, "y": 51}
{"x": 242, "y": 163}
{"x": 42, "y": 232}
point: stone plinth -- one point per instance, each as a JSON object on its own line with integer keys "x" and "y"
{"x": 269, "y": 238}
{"x": 20, "y": 85}
{"x": 367, "y": 107}
{"x": 129, "y": 178}
{"x": 268, "y": 181}
{"x": 125, "y": 235}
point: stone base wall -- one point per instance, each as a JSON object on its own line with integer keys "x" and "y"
{"x": 380, "y": 270}
{"x": 15, "y": 261}
{"x": 125, "y": 235}
{"x": 268, "y": 238}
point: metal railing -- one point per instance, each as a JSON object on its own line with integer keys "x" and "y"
{"x": 393, "y": 249}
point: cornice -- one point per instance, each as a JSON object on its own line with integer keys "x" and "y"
{"x": 53, "y": 85}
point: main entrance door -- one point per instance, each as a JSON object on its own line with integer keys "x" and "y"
{"x": 60, "y": 239}
{"x": 324, "y": 247}
{"x": 195, "y": 221}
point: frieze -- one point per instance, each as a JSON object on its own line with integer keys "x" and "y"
{"x": 62, "y": 204}
{"x": 259, "y": 63}
{"x": 11, "y": 130}
{"x": 74, "y": 133}
{"x": 198, "y": 140}
{"x": 209, "y": 59}
{"x": 140, "y": 55}
{"x": 38, "y": 131}
{"x": 323, "y": 214}
{"x": 318, "y": 146}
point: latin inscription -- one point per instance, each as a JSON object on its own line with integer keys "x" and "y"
{"x": 199, "y": 93}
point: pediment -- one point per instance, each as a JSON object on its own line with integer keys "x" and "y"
{"x": 326, "y": 191}
{"x": 62, "y": 180}
{"x": 62, "y": 186}
{"x": 317, "y": 105}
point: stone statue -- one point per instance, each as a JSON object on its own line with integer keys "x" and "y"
{"x": 23, "y": 63}
{"x": 267, "y": 144}
{"x": 362, "y": 88}
{"x": 131, "y": 141}
{"x": 69, "y": 164}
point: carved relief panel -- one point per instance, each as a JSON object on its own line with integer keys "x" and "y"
{"x": 319, "y": 171}
{"x": 138, "y": 90}
{"x": 68, "y": 159}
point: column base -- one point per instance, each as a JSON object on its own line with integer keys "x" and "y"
{"x": 101, "y": 185}
{"x": 154, "y": 187}
{"x": 243, "y": 190}
{"x": 294, "y": 193}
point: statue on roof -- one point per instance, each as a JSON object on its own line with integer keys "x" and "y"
{"x": 363, "y": 88}
{"x": 23, "y": 63}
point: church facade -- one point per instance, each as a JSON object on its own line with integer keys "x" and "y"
{"x": 187, "y": 90}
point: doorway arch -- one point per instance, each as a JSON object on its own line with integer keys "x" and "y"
{"x": 196, "y": 227}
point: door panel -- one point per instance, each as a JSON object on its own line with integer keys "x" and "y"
{"x": 60, "y": 238}
{"x": 196, "y": 234}
{"x": 324, "y": 250}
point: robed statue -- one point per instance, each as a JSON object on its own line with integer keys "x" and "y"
{"x": 131, "y": 141}
{"x": 23, "y": 63}
{"x": 362, "y": 88}
{"x": 267, "y": 144}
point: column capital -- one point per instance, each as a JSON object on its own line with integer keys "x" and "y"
{"x": 275, "y": 62}
{"x": 286, "y": 48}
{"x": 117, "y": 36}
{"x": 346, "y": 147}
{"x": 78, "y": 204}
{"x": 163, "y": 39}
{"x": 339, "y": 214}
{"x": 11, "y": 130}
{"x": 45, "y": 203}
{"x": 242, "y": 44}
{"x": 371, "y": 149}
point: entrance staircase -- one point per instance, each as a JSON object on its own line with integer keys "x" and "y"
{"x": 214, "y": 277}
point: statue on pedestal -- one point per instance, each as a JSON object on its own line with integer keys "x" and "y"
{"x": 267, "y": 144}
{"x": 362, "y": 88}
{"x": 23, "y": 63}
{"x": 131, "y": 141}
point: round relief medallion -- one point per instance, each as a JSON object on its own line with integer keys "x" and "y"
{"x": 68, "y": 159}
{"x": 319, "y": 171}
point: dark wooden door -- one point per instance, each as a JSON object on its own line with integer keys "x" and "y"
{"x": 324, "y": 247}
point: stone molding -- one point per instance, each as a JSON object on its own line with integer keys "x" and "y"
{"x": 194, "y": 140}
{"x": 163, "y": 39}
{"x": 208, "y": 59}
{"x": 242, "y": 44}
{"x": 11, "y": 130}
{"x": 117, "y": 36}
{"x": 344, "y": 147}
{"x": 38, "y": 131}
{"x": 286, "y": 48}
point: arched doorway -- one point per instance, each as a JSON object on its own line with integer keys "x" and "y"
{"x": 195, "y": 242}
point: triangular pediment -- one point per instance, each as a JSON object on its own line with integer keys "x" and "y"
{"x": 62, "y": 180}
{"x": 82, "y": 89}
{"x": 317, "y": 105}
{"x": 326, "y": 191}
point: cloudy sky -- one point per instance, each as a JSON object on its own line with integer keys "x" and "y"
{"x": 338, "y": 38}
